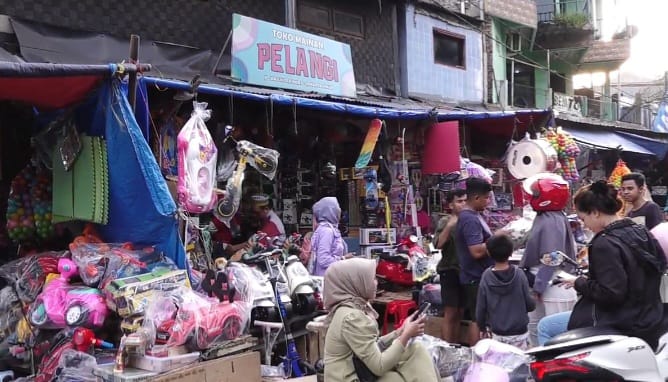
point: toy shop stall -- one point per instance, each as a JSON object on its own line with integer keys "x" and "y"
{"x": 90, "y": 240}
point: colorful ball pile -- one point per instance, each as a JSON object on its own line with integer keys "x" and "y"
{"x": 567, "y": 151}
{"x": 29, "y": 206}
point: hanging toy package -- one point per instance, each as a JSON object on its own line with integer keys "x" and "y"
{"x": 197, "y": 157}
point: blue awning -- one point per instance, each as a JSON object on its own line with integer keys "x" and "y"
{"x": 407, "y": 113}
{"x": 658, "y": 146}
{"x": 606, "y": 139}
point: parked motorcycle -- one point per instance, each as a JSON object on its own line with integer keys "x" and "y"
{"x": 596, "y": 354}
{"x": 300, "y": 284}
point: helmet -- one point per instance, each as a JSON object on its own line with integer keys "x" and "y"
{"x": 547, "y": 192}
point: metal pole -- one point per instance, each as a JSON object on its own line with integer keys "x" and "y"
{"x": 549, "y": 71}
{"x": 512, "y": 83}
{"x": 132, "y": 83}
{"x": 290, "y": 19}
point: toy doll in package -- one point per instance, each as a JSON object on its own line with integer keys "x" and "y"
{"x": 197, "y": 157}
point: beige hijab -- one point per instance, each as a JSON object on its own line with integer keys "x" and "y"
{"x": 350, "y": 282}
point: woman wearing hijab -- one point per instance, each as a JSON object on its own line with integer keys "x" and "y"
{"x": 327, "y": 245}
{"x": 353, "y": 331}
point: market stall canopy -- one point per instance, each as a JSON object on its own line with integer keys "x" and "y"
{"x": 379, "y": 109}
{"x": 53, "y": 86}
{"x": 609, "y": 140}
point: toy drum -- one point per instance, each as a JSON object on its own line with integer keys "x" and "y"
{"x": 531, "y": 157}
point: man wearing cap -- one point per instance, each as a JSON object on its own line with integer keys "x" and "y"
{"x": 270, "y": 223}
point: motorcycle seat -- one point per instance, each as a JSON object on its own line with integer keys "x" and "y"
{"x": 578, "y": 334}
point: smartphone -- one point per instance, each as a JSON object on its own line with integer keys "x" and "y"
{"x": 423, "y": 309}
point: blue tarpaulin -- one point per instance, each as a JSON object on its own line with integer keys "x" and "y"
{"x": 660, "y": 124}
{"x": 141, "y": 209}
{"x": 412, "y": 113}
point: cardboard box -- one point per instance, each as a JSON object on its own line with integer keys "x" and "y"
{"x": 369, "y": 251}
{"x": 377, "y": 236}
{"x": 130, "y": 295}
{"x": 243, "y": 367}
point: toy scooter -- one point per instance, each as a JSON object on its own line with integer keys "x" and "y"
{"x": 61, "y": 305}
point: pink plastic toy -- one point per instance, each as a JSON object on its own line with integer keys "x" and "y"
{"x": 61, "y": 305}
{"x": 197, "y": 156}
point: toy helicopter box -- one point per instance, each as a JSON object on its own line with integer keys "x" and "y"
{"x": 377, "y": 236}
{"x": 131, "y": 295}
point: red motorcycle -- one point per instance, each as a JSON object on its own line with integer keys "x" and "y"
{"x": 406, "y": 267}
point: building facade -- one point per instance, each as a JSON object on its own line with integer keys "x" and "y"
{"x": 441, "y": 50}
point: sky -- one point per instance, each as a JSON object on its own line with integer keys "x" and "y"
{"x": 649, "y": 57}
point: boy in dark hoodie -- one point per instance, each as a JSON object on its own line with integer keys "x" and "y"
{"x": 504, "y": 298}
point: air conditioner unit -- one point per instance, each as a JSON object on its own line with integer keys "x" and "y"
{"x": 514, "y": 42}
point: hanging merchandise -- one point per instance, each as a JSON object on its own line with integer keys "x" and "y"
{"x": 619, "y": 171}
{"x": 264, "y": 160}
{"x": 29, "y": 205}
{"x": 567, "y": 152}
{"x": 168, "y": 161}
{"x": 530, "y": 157}
{"x": 197, "y": 155}
{"x": 83, "y": 192}
{"x": 369, "y": 144}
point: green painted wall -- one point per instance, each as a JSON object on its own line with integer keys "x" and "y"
{"x": 498, "y": 55}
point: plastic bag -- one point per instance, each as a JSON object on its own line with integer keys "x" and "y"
{"x": 496, "y": 361}
{"x": 12, "y": 312}
{"x": 28, "y": 274}
{"x": 198, "y": 321}
{"x": 197, "y": 158}
{"x": 226, "y": 165}
{"x": 519, "y": 231}
{"x": 100, "y": 263}
{"x": 449, "y": 360}
{"x": 76, "y": 366}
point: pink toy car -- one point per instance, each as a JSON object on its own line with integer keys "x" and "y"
{"x": 61, "y": 305}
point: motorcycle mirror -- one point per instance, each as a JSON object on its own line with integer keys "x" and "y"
{"x": 553, "y": 259}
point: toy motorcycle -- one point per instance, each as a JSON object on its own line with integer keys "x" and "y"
{"x": 408, "y": 266}
{"x": 61, "y": 305}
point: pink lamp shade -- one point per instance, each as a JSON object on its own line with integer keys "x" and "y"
{"x": 441, "y": 149}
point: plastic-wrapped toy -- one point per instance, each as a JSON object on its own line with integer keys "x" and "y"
{"x": 497, "y": 362}
{"x": 197, "y": 158}
{"x": 100, "y": 263}
{"x": 79, "y": 339}
{"x": 449, "y": 360}
{"x": 61, "y": 305}
{"x": 28, "y": 274}
{"x": 198, "y": 321}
